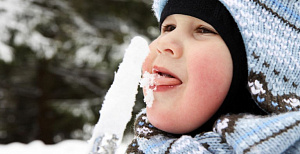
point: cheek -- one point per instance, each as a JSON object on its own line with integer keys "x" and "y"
{"x": 209, "y": 77}
{"x": 211, "y": 72}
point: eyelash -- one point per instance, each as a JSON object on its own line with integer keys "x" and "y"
{"x": 202, "y": 30}
{"x": 168, "y": 28}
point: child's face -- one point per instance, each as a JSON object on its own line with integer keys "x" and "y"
{"x": 200, "y": 65}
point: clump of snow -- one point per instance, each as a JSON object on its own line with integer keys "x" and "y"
{"x": 146, "y": 82}
{"x": 119, "y": 100}
{"x": 88, "y": 54}
{"x": 6, "y": 53}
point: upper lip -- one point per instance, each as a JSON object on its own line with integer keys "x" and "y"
{"x": 162, "y": 70}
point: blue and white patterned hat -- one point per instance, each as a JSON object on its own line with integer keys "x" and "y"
{"x": 271, "y": 35}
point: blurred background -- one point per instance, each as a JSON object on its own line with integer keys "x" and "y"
{"x": 57, "y": 61}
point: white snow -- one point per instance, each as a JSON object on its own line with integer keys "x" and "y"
{"x": 6, "y": 53}
{"x": 38, "y": 147}
{"x": 146, "y": 82}
{"x": 87, "y": 53}
{"x": 64, "y": 147}
{"x": 117, "y": 107}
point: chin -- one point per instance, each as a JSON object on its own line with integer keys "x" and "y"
{"x": 172, "y": 126}
{"x": 175, "y": 130}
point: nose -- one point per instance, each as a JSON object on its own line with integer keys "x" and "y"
{"x": 170, "y": 44}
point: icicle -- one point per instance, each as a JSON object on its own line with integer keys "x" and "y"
{"x": 117, "y": 107}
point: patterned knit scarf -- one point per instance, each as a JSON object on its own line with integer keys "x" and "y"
{"x": 274, "y": 134}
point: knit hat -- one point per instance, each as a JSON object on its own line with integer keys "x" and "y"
{"x": 270, "y": 32}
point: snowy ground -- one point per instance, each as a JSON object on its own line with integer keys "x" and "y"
{"x": 38, "y": 147}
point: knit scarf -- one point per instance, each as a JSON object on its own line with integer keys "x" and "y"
{"x": 243, "y": 133}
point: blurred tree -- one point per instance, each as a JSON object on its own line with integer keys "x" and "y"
{"x": 57, "y": 60}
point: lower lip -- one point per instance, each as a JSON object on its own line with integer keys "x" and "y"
{"x": 162, "y": 88}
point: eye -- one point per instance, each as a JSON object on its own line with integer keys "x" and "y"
{"x": 168, "y": 28}
{"x": 204, "y": 30}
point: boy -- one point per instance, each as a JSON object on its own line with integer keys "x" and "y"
{"x": 200, "y": 66}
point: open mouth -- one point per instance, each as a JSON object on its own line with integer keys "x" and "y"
{"x": 164, "y": 77}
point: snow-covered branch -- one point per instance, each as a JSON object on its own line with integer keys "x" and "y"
{"x": 24, "y": 22}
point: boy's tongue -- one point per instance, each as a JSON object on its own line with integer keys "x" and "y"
{"x": 165, "y": 80}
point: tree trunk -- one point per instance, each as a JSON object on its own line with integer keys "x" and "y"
{"x": 45, "y": 116}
